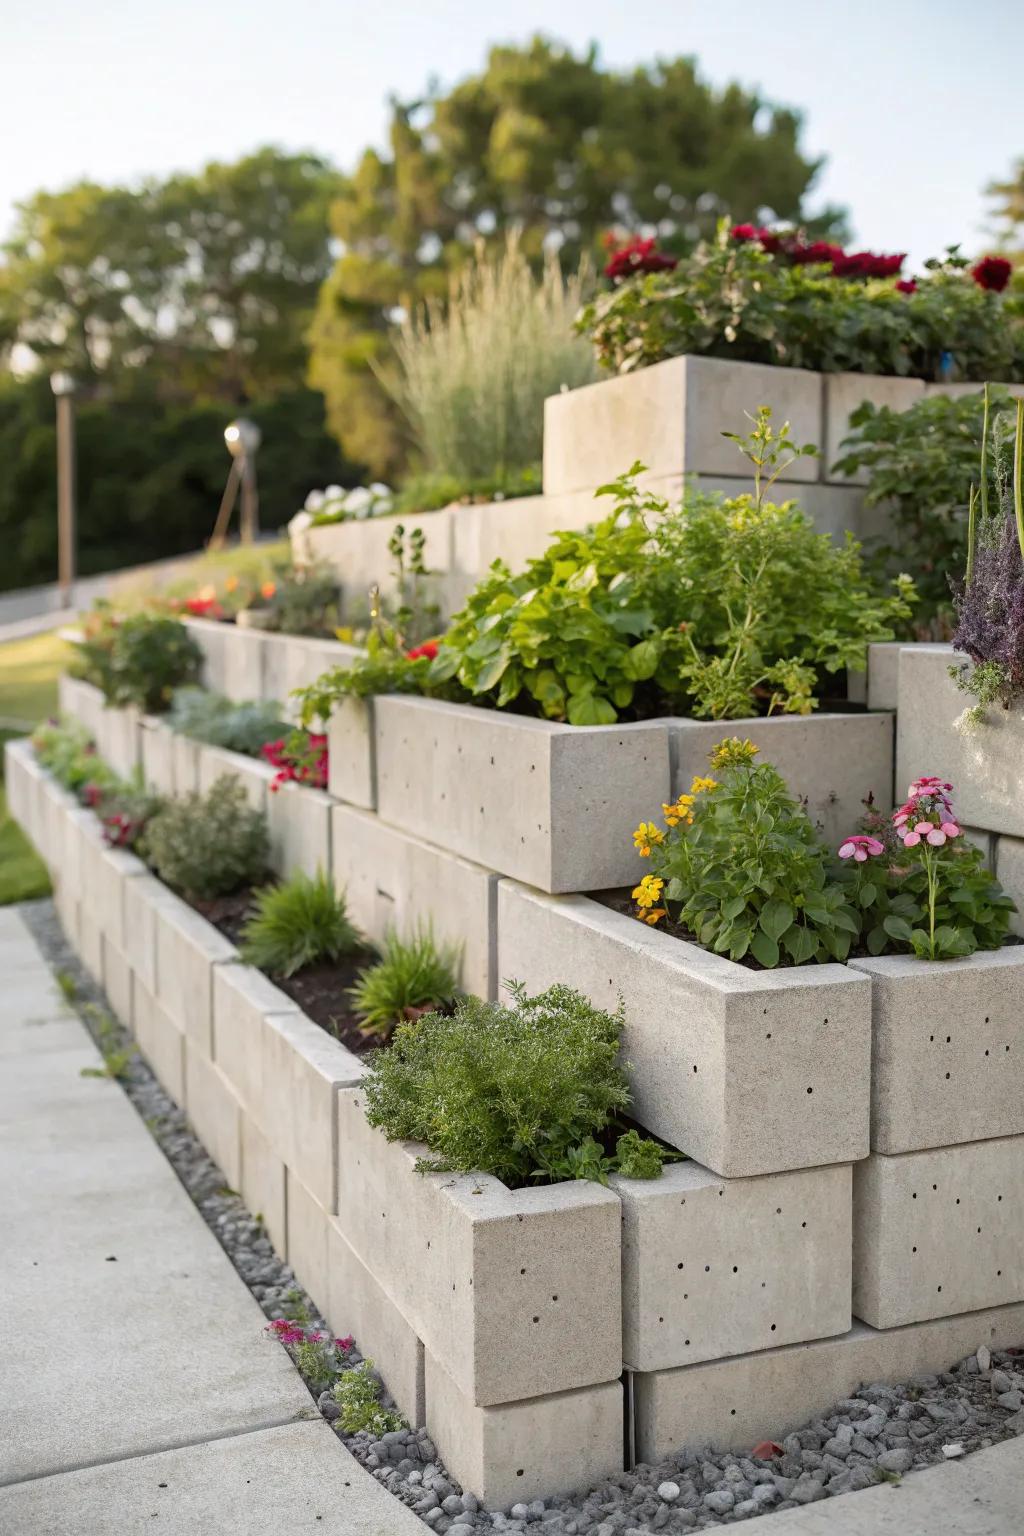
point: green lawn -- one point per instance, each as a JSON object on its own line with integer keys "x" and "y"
{"x": 28, "y": 693}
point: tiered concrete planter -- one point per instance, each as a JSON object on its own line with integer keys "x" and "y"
{"x": 254, "y": 776}
{"x": 747, "y": 1071}
{"x": 351, "y": 753}
{"x": 114, "y": 729}
{"x": 244, "y": 663}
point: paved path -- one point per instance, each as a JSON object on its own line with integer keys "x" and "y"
{"x": 136, "y": 1382}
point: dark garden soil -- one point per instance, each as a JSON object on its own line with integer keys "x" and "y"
{"x": 321, "y": 991}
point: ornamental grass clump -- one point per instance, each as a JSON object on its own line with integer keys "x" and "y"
{"x": 412, "y": 977}
{"x": 521, "y": 1092}
{"x": 302, "y": 922}
{"x": 209, "y": 845}
{"x": 741, "y": 868}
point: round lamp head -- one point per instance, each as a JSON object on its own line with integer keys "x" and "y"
{"x": 62, "y": 383}
{"x": 242, "y": 437}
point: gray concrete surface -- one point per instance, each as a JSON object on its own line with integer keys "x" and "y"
{"x": 132, "y": 1352}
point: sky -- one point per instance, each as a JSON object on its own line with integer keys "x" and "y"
{"x": 916, "y": 105}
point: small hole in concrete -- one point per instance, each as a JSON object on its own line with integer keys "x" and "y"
{"x": 536, "y": 1319}
{"x": 707, "y": 1269}
{"x": 686, "y": 1341}
{"x": 695, "y": 1066}
{"x": 914, "y": 1249}
{"x": 803, "y": 1223}
{"x": 679, "y": 1266}
{"x": 519, "y": 1472}
{"x": 810, "y": 1090}
{"x": 735, "y": 1269}
{"x": 661, "y": 1319}
{"x": 522, "y": 1271}
{"x": 939, "y": 1289}
{"x": 947, "y": 1077}
{"x": 554, "y": 1298}
{"x": 732, "y": 1413}
{"x": 773, "y": 1327}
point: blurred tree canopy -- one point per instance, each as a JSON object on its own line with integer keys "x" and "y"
{"x": 550, "y": 141}
{"x": 1007, "y": 212}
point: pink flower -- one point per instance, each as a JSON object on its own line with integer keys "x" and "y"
{"x": 928, "y": 785}
{"x": 344, "y": 1344}
{"x": 859, "y": 848}
{"x": 951, "y": 829}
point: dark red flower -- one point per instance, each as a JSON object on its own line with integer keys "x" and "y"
{"x": 906, "y": 285}
{"x": 770, "y": 241}
{"x": 992, "y": 273}
{"x": 427, "y": 649}
{"x": 638, "y": 256}
{"x": 867, "y": 264}
{"x": 820, "y": 251}
{"x": 743, "y": 232}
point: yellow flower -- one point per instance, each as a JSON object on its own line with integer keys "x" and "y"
{"x": 682, "y": 810}
{"x": 734, "y": 753}
{"x": 646, "y": 837}
{"x": 652, "y": 917}
{"x": 701, "y": 785}
{"x": 231, "y": 585}
{"x": 648, "y": 892}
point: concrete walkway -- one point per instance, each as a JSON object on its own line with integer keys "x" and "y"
{"x": 136, "y": 1382}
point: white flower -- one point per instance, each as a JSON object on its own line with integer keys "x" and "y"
{"x": 335, "y": 493}
{"x": 380, "y": 491}
{"x": 314, "y": 501}
{"x": 358, "y": 501}
{"x": 300, "y": 522}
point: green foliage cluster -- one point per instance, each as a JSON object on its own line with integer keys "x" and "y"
{"x": 427, "y": 492}
{"x": 412, "y": 976}
{"x": 305, "y": 600}
{"x": 971, "y": 911}
{"x": 520, "y": 1092}
{"x": 140, "y": 658}
{"x": 474, "y": 371}
{"x": 218, "y": 721}
{"x": 301, "y": 922}
{"x": 731, "y": 299}
{"x": 357, "y": 1393}
{"x": 209, "y": 845}
{"x": 921, "y": 464}
{"x": 65, "y": 749}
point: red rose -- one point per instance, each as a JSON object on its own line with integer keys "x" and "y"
{"x": 906, "y": 285}
{"x": 820, "y": 251}
{"x": 638, "y": 256}
{"x": 992, "y": 273}
{"x": 867, "y": 264}
{"x": 743, "y": 232}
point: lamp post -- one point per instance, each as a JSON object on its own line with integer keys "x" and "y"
{"x": 63, "y": 386}
{"x": 243, "y": 438}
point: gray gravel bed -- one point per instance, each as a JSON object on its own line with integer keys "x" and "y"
{"x": 878, "y": 1435}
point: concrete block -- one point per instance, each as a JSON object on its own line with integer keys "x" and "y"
{"x": 986, "y": 843}
{"x": 117, "y": 983}
{"x": 117, "y": 738}
{"x": 211, "y": 638}
{"x": 299, "y": 821}
{"x": 161, "y": 1041}
{"x": 1008, "y": 861}
{"x": 214, "y": 1113}
{"x": 156, "y": 754}
{"x": 844, "y": 392}
{"x": 187, "y": 948}
{"x": 254, "y": 776}
{"x": 714, "y": 1267}
{"x": 520, "y": 530}
{"x": 884, "y": 674}
{"x": 831, "y": 761}
{"x": 735, "y": 1403}
{"x": 957, "y": 391}
{"x": 242, "y": 998}
{"x": 513, "y": 1290}
{"x": 520, "y": 796}
{"x": 982, "y": 764}
{"x": 109, "y": 887}
{"x": 264, "y": 1177}
{"x": 80, "y": 851}
{"x": 351, "y": 757}
{"x": 82, "y": 701}
{"x": 90, "y": 942}
{"x": 185, "y": 758}
{"x": 671, "y": 417}
{"x": 139, "y": 918}
{"x": 525, "y": 1450}
{"x": 357, "y": 1305}
{"x": 832, "y": 509}
{"x": 307, "y": 658}
{"x": 394, "y": 881}
{"x": 243, "y": 652}
{"x": 938, "y": 1232}
{"x": 57, "y": 804}
{"x": 359, "y": 553}
{"x": 303, "y": 1067}
{"x": 748, "y": 1072}
{"x": 20, "y": 767}
{"x": 308, "y": 1225}
{"x": 947, "y": 1058}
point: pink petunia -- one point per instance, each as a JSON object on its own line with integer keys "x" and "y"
{"x": 860, "y": 848}
{"x": 911, "y": 839}
{"x": 951, "y": 829}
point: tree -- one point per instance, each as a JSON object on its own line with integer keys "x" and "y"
{"x": 1007, "y": 215}
{"x": 205, "y": 283}
{"x": 546, "y": 140}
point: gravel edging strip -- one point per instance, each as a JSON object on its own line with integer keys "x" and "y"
{"x": 876, "y": 1436}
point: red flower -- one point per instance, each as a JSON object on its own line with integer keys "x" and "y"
{"x": 992, "y": 273}
{"x": 867, "y": 264}
{"x": 428, "y": 649}
{"x": 638, "y": 256}
{"x": 906, "y": 285}
{"x": 820, "y": 251}
{"x": 770, "y": 242}
{"x": 743, "y": 232}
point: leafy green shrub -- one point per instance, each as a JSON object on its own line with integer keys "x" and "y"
{"x": 746, "y": 868}
{"x": 141, "y": 659}
{"x": 921, "y": 464}
{"x": 475, "y": 373}
{"x": 209, "y": 845}
{"x": 357, "y": 1392}
{"x": 212, "y": 718}
{"x": 519, "y": 1092}
{"x": 411, "y": 976}
{"x": 734, "y": 300}
{"x": 300, "y": 923}
{"x": 65, "y": 749}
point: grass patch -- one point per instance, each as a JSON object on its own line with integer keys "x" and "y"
{"x": 23, "y": 874}
{"x": 29, "y": 670}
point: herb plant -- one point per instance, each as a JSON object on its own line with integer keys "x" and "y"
{"x": 302, "y": 922}
{"x": 209, "y": 845}
{"x": 411, "y": 977}
{"x": 212, "y": 718}
{"x": 520, "y": 1092}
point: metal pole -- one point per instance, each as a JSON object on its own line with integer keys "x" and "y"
{"x": 250, "y": 519}
{"x": 66, "y": 532}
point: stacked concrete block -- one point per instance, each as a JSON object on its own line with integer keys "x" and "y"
{"x": 157, "y": 757}
{"x": 82, "y": 702}
{"x": 114, "y": 729}
{"x": 351, "y": 761}
{"x": 552, "y": 804}
{"x": 356, "y": 1304}
{"x": 832, "y": 761}
{"x": 747, "y": 1071}
{"x": 254, "y": 776}
{"x": 299, "y": 822}
{"x": 844, "y": 394}
{"x": 394, "y": 882}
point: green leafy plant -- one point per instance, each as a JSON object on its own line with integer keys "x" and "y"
{"x": 638, "y": 1157}
{"x": 65, "y": 749}
{"x": 212, "y": 718}
{"x": 209, "y": 845}
{"x": 744, "y": 870}
{"x": 357, "y": 1393}
{"x": 301, "y": 922}
{"x": 730, "y": 298}
{"x": 519, "y": 1091}
{"x": 149, "y": 655}
{"x": 411, "y": 977}
{"x": 304, "y": 600}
